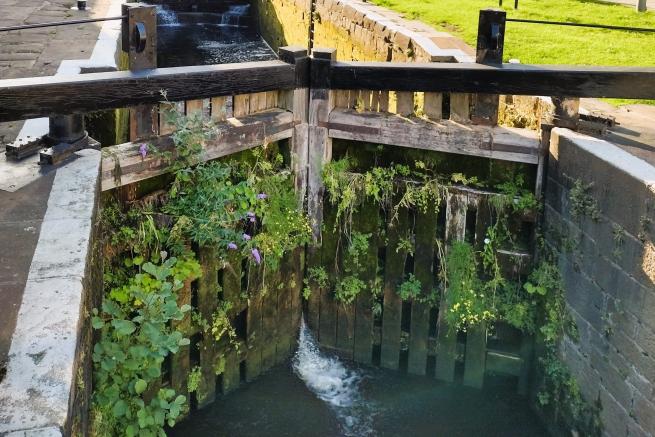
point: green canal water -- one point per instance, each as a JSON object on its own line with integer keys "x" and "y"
{"x": 316, "y": 394}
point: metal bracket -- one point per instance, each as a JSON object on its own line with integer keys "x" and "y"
{"x": 140, "y": 37}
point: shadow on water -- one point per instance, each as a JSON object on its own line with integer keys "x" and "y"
{"x": 319, "y": 395}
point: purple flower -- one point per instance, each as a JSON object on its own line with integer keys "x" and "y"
{"x": 232, "y": 246}
{"x": 250, "y": 215}
{"x": 256, "y": 255}
{"x": 143, "y": 150}
{"x": 246, "y": 237}
{"x": 262, "y": 196}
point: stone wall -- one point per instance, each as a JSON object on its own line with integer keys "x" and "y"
{"x": 600, "y": 217}
{"x": 358, "y": 30}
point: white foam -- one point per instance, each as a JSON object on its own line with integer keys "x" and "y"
{"x": 332, "y": 382}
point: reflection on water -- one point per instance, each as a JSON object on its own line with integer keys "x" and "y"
{"x": 319, "y": 395}
{"x": 207, "y": 38}
{"x": 335, "y": 384}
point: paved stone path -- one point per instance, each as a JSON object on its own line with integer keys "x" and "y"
{"x": 38, "y": 52}
{"x": 25, "y": 53}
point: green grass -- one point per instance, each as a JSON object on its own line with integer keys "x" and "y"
{"x": 545, "y": 44}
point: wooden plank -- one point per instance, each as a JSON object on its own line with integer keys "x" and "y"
{"x": 298, "y": 263}
{"x": 284, "y": 308}
{"x": 367, "y": 223}
{"x": 384, "y": 101}
{"x": 314, "y": 301}
{"x": 234, "y": 135}
{"x": 219, "y": 109}
{"x": 78, "y": 94}
{"x": 241, "y": 105}
{"x": 476, "y": 337}
{"x": 342, "y": 99}
{"x": 198, "y": 106}
{"x": 426, "y": 231}
{"x": 166, "y": 128}
{"x": 460, "y": 107}
{"x": 404, "y": 103}
{"x": 207, "y": 302}
{"x": 180, "y": 361}
{"x": 44, "y": 96}
{"x": 510, "y": 144}
{"x": 345, "y": 330}
{"x": 321, "y": 103}
{"x": 231, "y": 374}
{"x": 517, "y": 79}
{"x": 328, "y": 306}
{"x": 433, "y": 105}
{"x": 269, "y": 319}
{"x": 527, "y": 347}
{"x": 447, "y": 337}
{"x": 392, "y": 304}
{"x": 255, "y": 334}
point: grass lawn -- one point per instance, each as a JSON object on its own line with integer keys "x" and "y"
{"x": 542, "y": 44}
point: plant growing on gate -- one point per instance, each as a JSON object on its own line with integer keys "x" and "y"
{"x": 135, "y": 338}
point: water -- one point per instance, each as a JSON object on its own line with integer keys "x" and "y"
{"x": 197, "y": 38}
{"x": 232, "y": 17}
{"x": 317, "y": 394}
{"x": 335, "y": 384}
{"x": 166, "y": 17}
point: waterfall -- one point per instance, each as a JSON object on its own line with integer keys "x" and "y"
{"x": 335, "y": 384}
{"x": 233, "y": 15}
{"x": 166, "y": 16}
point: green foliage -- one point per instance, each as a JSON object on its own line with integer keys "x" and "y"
{"x": 350, "y": 285}
{"x": 224, "y": 203}
{"x": 581, "y": 201}
{"x": 410, "y": 288}
{"x": 515, "y": 196}
{"x": 315, "y": 276}
{"x": 135, "y": 337}
{"x": 193, "y": 381}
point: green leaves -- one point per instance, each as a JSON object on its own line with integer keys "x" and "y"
{"x": 140, "y": 386}
{"x": 131, "y": 350}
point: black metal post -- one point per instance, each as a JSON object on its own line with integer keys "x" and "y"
{"x": 491, "y": 39}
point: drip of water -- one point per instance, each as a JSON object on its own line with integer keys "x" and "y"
{"x": 166, "y": 16}
{"x": 232, "y": 16}
{"x": 333, "y": 383}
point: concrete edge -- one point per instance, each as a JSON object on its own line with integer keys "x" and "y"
{"x": 35, "y": 396}
{"x": 631, "y": 165}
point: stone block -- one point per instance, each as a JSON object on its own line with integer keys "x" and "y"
{"x": 643, "y": 413}
{"x": 614, "y": 417}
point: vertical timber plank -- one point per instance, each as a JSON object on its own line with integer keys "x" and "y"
{"x": 232, "y": 293}
{"x": 405, "y": 103}
{"x": 269, "y": 319}
{"x": 345, "y": 330}
{"x": 284, "y": 304}
{"x": 254, "y": 335}
{"x": 241, "y": 105}
{"x": 392, "y": 304}
{"x": 328, "y": 306}
{"x": 207, "y": 302}
{"x": 426, "y": 225}
{"x": 367, "y": 223}
{"x": 476, "y": 336}
{"x": 219, "y": 109}
{"x": 447, "y": 337}
{"x": 433, "y": 106}
{"x": 320, "y": 145}
{"x": 460, "y": 110}
{"x": 180, "y": 361}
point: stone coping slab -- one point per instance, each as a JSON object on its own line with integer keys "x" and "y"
{"x": 35, "y": 395}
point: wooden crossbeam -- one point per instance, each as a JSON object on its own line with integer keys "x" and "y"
{"x": 123, "y": 164}
{"x": 45, "y": 96}
{"x": 518, "y": 79}
{"x": 509, "y": 144}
